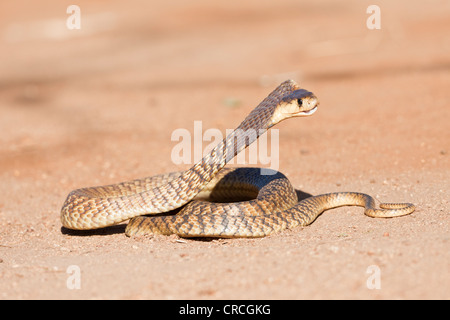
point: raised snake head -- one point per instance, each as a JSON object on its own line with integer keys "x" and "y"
{"x": 299, "y": 103}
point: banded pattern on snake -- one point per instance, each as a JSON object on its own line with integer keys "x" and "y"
{"x": 268, "y": 203}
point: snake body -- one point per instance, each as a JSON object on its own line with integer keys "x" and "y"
{"x": 268, "y": 202}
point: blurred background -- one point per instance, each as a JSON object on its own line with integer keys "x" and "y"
{"x": 136, "y": 61}
{"x": 197, "y": 42}
{"x": 135, "y": 71}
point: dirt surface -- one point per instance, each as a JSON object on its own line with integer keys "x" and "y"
{"x": 98, "y": 105}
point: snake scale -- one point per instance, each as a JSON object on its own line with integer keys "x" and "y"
{"x": 209, "y": 200}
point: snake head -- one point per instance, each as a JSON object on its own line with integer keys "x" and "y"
{"x": 299, "y": 103}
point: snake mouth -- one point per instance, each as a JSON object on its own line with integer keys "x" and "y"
{"x": 309, "y": 112}
{"x": 303, "y": 113}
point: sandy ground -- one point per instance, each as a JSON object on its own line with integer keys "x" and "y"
{"x": 98, "y": 105}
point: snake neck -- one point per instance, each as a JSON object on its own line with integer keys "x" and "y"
{"x": 254, "y": 125}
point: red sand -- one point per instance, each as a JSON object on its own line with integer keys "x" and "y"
{"x": 98, "y": 106}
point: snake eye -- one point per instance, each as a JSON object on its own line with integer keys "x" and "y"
{"x": 300, "y": 102}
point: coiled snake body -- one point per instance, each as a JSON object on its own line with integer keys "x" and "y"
{"x": 267, "y": 203}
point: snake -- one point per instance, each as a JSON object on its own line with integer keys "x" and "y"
{"x": 209, "y": 200}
